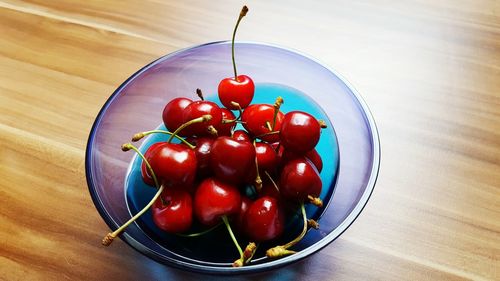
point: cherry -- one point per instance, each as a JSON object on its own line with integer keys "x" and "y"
{"x": 173, "y": 211}
{"x": 300, "y": 132}
{"x": 226, "y": 128}
{"x": 203, "y": 147}
{"x": 264, "y": 220}
{"x": 311, "y": 155}
{"x": 299, "y": 179}
{"x": 231, "y": 160}
{"x": 146, "y": 177}
{"x": 198, "y": 109}
{"x": 239, "y": 220}
{"x": 214, "y": 199}
{"x": 267, "y": 158}
{"x": 174, "y": 164}
{"x": 258, "y": 120}
{"x": 172, "y": 113}
{"x": 240, "y": 88}
{"x": 241, "y": 135}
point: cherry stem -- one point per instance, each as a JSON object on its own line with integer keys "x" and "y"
{"x": 199, "y": 233}
{"x": 280, "y": 251}
{"x": 312, "y": 223}
{"x": 316, "y": 201}
{"x": 203, "y": 118}
{"x": 108, "y": 239}
{"x": 228, "y": 226}
{"x": 269, "y": 126}
{"x": 141, "y": 135}
{"x": 247, "y": 255}
{"x": 277, "y": 105}
{"x": 238, "y": 106}
{"x": 322, "y": 124}
{"x": 258, "y": 180}
{"x": 274, "y": 183}
{"x": 243, "y": 12}
{"x": 269, "y": 133}
{"x": 200, "y": 94}
{"x": 129, "y": 146}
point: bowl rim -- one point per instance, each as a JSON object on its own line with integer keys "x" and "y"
{"x": 332, "y": 236}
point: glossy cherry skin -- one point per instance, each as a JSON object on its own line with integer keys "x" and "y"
{"x": 202, "y": 151}
{"x": 240, "y": 90}
{"x": 173, "y": 214}
{"x": 241, "y": 135}
{"x": 214, "y": 199}
{"x": 225, "y": 129}
{"x": 311, "y": 155}
{"x": 239, "y": 218}
{"x": 172, "y": 113}
{"x": 197, "y": 109}
{"x": 264, "y": 220}
{"x": 255, "y": 117}
{"x": 299, "y": 178}
{"x": 174, "y": 164}
{"x": 146, "y": 177}
{"x": 300, "y": 132}
{"x": 231, "y": 160}
{"x": 266, "y": 157}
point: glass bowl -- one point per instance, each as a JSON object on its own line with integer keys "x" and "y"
{"x": 350, "y": 150}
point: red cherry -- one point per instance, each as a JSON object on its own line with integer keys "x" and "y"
{"x": 197, "y": 109}
{"x": 172, "y": 113}
{"x": 173, "y": 213}
{"x": 239, "y": 90}
{"x": 311, "y": 155}
{"x": 231, "y": 160}
{"x": 214, "y": 199}
{"x": 203, "y": 147}
{"x": 300, "y": 132}
{"x": 255, "y": 118}
{"x": 146, "y": 177}
{"x": 174, "y": 164}
{"x": 266, "y": 156}
{"x": 239, "y": 220}
{"x": 225, "y": 129}
{"x": 299, "y": 179}
{"x": 241, "y": 135}
{"x": 264, "y": 220}
{"x": 315, "y": 158}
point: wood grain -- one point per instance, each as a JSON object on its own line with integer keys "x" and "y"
{"x": 429, "y": 70}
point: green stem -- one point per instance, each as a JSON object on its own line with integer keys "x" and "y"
{"x": 280, "y": 251}
{"x": 150, "y": 169}
{"x": 277, "y": 105}
{"x": 143, "y": 134}
{"x": 304, "y": 229}
{"x": 199, "y": 233}
{"x": 243, "y": 12}
{"x": 110, "y": 236}
{"x": 203, "y": 118}
{"x": 226, "y": 222}
{"x": 272, "y": 181}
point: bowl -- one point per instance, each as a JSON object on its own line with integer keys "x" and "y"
{"x": 349, "y": 147}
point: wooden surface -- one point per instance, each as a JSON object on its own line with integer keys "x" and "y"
{"x": 429, "y": 70}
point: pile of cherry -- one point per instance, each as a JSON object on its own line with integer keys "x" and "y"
{"x": 204, "y": 177}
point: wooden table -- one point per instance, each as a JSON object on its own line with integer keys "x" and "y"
{"x": 429, "y": 70}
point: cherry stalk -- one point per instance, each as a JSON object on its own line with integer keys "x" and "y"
{"x": 108, "y": 239}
